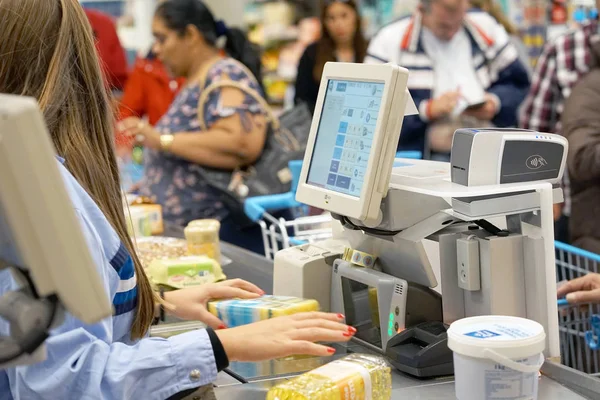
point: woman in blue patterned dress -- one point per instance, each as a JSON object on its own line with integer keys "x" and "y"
{"x": 176, "y": 149}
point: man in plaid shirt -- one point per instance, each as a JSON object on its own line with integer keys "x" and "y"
{"x": 562, "y": 63}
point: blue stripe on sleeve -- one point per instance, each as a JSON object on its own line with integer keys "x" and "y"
{"x": 126, "y": 307}
{"x": 120, "y": 258}
{"x": 127, "y": 270}
{"x": 125, "y": 297}
{"x": 123, "y": 263}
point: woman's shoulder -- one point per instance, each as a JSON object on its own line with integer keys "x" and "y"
{"x": 230, "y": 68}
{"x": 90, "y": 214}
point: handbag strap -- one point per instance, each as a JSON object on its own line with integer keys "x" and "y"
{"x": 281, "y": 134}
{"x": 236, "y": 85}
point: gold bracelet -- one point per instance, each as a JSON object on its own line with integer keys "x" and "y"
{"x": 166, "y": 141}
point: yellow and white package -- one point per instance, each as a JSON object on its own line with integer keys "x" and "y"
{"x": 242, "y": 312}
{"x": 184, "y": 272}
{"x": 355, "y": 377}
{"x": 154, "y": 214}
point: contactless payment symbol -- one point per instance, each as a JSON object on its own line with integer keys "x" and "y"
{"x": 483, "y": 334}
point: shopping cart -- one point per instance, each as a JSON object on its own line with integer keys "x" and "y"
{"x": 279, "y": 233}
{"x": 579, "y": 327}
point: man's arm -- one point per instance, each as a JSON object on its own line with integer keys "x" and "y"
{"x": 539, "y": 107}
{"x": 581, "y": 126}
{"x": 510, "y": 88}
{"x": 510, "y": 80}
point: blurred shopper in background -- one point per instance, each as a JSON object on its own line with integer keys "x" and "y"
{"x": 112, "y": 55}
{"x": 177, "y": 150}
{"x": 562, "y": 64}
{"x": 581, "y": 126}
{"x": 342, "y": 40}
{"x": 462, "y": 65}
{"x": 149, "y": 92}
{"x": 493, "y": 8}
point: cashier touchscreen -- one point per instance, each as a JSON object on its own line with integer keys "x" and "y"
{"x": 345, "y": 135}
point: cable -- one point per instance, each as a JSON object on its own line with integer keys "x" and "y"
{"x": 235, "y": 376}
{"x": 373, "y": 231}
{"x": 491, "y": 228}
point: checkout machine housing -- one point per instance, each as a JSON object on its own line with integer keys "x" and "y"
{"x": 502, "y": 272}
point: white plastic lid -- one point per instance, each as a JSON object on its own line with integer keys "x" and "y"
{"x": 511, "y": 337}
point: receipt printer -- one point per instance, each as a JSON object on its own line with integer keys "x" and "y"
{"x": 496, "y": 156}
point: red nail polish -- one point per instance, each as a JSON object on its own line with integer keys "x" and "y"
{"x": 222, "y": 326}
{"x": 330, "y": 350}
{"x": 352, "y": 330}
{"x": 341, "y": 316}
{"x": 347, "y": 334}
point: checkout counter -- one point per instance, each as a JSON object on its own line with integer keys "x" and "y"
{"x": 251, "y": 381}
{"x": 488, "y": 211}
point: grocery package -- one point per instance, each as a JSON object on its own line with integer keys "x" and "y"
{"x": 203, "y": 238}
{"x": 154, "y": 213}
{"x": 374, "y": 306}
{"x": 184, "y": 272}
{"x": 138, "y": 223}
{"x": 154, "y": 248}
{"x": 356, "y": 377}
{"x": 241, "y": 312}
{"x": 150, "y": 209}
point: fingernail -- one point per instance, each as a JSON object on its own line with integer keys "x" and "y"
{"x": 352, "y": 330}
{"x": 570, "y": 297}
{"x": 222, "y": 326}
{"x": 341, "y": 316}
{"x": 262, "y": 292}
{"x": 347, "y": 334}
{"x": 330, "y": 350}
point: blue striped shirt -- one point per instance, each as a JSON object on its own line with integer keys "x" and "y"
{"x": 101, "y": 361}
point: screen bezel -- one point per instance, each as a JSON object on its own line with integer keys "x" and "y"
{"x": 344, "y": 204}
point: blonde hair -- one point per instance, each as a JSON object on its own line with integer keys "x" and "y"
{"x": 48, "y": 52}
{"x": 492, "y": 8}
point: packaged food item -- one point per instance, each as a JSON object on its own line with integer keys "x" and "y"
{"x": 203, "y": 238}
{"x": 159, "y": 248}
{"x": 241, "y": 312}
{"x": 154, "y": 214}
{"x": 184, "y": 272}
{"x": 355, "y": 377}
{"x": 138, "y": 223}
{"x": 374, "y": 306}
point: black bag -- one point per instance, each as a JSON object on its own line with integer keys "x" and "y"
{"x": 286, "y": 141}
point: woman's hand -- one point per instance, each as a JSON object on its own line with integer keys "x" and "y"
{"x": 285, "y": 336}
{"x": 190, "y": 303}
{"x": 141, "y": 131}
{"x": 582, "y": 290}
